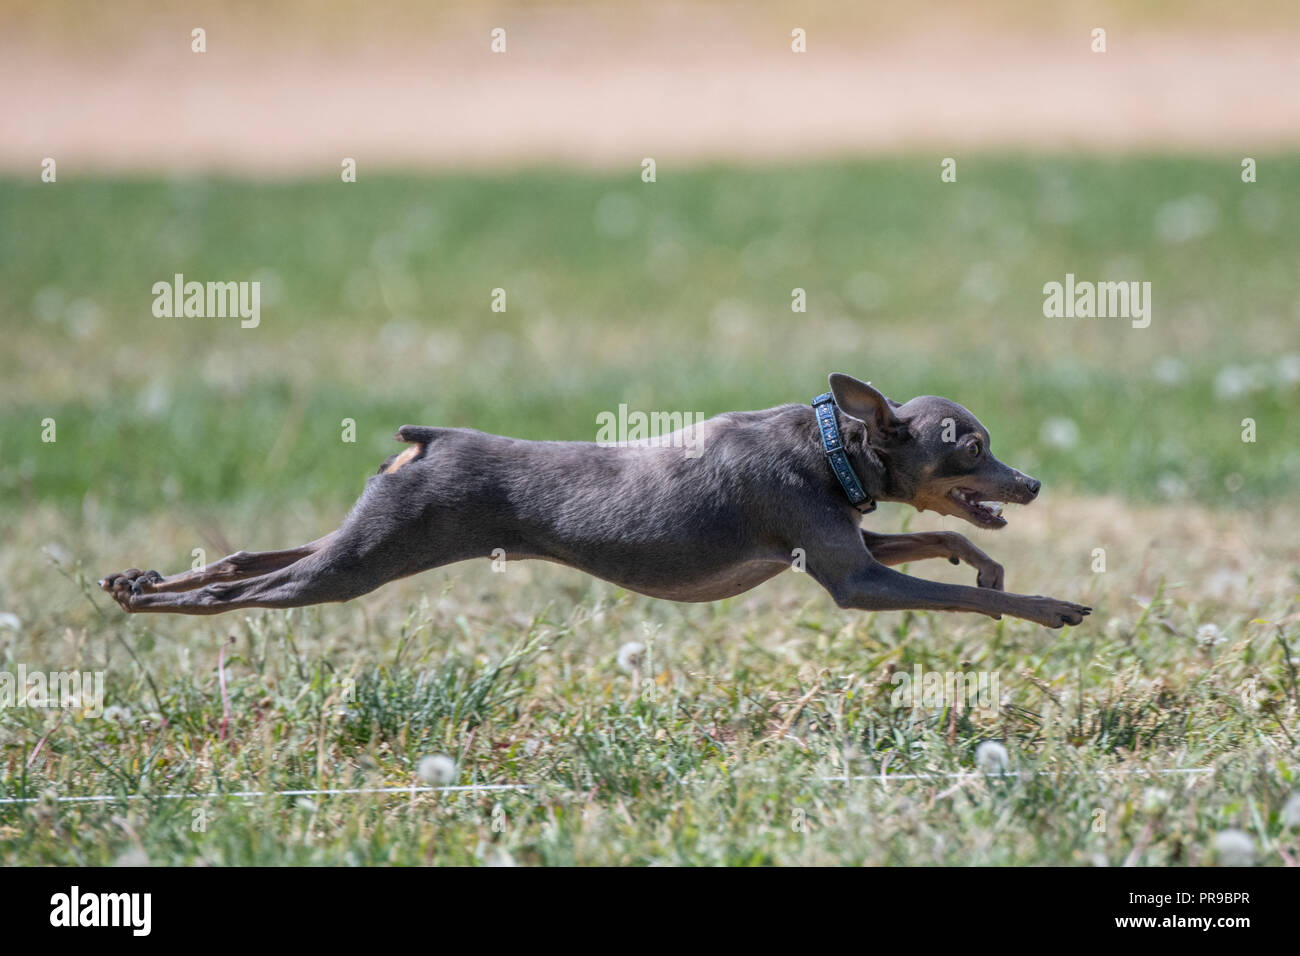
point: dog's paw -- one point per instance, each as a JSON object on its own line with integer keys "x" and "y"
{"x": 990, "y": 575}
{"x": 1054, "y": 613}
{"x": 126, "y": 584}
{"x": 119, "y": 586}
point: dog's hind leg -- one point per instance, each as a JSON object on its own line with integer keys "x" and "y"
{"x": 376, "y": 544}
{"x": 243, "y": 565}
{"x": 328, "y": 575}
{"x": 234, "y": 567}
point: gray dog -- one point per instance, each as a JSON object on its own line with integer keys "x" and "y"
{"x": 758, "y": 492}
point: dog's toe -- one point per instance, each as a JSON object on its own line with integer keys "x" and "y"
{"x": 1076, "y": 614}
{"x": 1054, "y": 613}
{"x": 143, "y": 583}
{"x": 123, "y": 585}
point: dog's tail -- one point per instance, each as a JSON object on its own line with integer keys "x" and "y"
{"x": 422, "y": 434}
{"x": 419, "y": 437}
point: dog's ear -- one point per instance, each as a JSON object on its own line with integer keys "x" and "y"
{"x": 864, "y": 403}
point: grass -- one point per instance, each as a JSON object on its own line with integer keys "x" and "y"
{"x": 720, "y": 751}
{"x": 731, "y": 744}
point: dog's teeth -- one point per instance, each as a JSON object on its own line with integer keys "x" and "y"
{"x": 993, "y": 506}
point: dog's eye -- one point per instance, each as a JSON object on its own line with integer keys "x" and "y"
{"x": 975, "y": 449}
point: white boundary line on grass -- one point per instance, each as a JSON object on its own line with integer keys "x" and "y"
{"x": 972, "y": 774}
{"x": 113, "y": 797}
{"x": 488, "y": 787}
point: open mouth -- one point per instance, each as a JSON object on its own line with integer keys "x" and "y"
{"x": 986, "y": 514}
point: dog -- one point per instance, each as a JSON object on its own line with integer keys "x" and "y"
{"x": 761, "y": 492}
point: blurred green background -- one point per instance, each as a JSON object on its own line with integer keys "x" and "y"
{"x": 673, "y": 295}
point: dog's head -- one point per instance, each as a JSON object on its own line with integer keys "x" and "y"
{"x": 935, "y": 454}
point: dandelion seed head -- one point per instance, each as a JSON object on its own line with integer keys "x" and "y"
{"x": 1234, "y": 848}
{"x": 630, "y": 656}
{"x": 1209, "y": 635}
{"x": 119, "y": 715}
{"x": 1059, "y": 432}
{"x": 1291, "y": 811}
{"x": 132, "y": 857}
{"x": 992, "y": 757}
{"x": 1154, "y": 799}
{"x": 436, "y": 770}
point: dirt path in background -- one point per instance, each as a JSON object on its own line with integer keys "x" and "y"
{"x": 572, "y": 90}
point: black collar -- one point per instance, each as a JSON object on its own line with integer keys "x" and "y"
{"x": 833, "y": 444}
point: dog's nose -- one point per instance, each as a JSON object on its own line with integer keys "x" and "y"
{"x": 1033, "y": 484}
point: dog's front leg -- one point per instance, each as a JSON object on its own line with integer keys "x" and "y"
{"x": 891, "y": 549}
{"x": 856, "y": 580}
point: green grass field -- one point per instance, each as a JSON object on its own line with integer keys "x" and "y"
{"x": 732, "y": 743}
